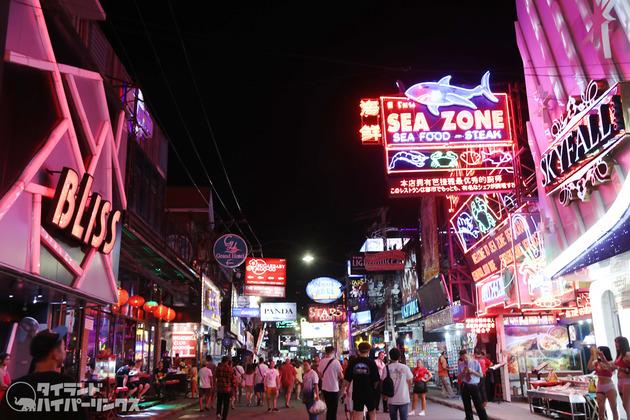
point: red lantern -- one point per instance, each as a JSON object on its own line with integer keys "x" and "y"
{"x": 160, "y": 311}
{"x": 150, "y": 306}
{"x": 136, "y": 301}
{"x": 170, "y": 315}
{"x": 123, "y": 297}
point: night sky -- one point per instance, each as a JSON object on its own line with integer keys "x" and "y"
{"x": 278, "y": 83}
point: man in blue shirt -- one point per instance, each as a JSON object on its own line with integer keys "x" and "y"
{"x": 469, "y": 372}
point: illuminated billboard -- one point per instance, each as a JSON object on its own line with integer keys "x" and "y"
{"x": 264, "y": 291}
{"x": 316, "y": 330}
{"x": 444, "y": 139}
{"x": 266, "y": 271}
{"x": 326, "y": 313}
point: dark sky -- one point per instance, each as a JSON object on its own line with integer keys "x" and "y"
{"x": 279, "y": 83}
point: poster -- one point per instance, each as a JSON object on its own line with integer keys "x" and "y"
{"x": 430, "y": 257}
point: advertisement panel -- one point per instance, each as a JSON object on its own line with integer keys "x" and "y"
{"x": 264, "y": 291}
{"x": 184, "y": 339}
{"x": 385, "y": 261}
{"x": 211, "y": 304}
{"x": 326, "y": 313}
{"x": 324, "y": 290}
{"x": 317, "y": 330}
{"x": 246, "y": 312}
{"x": 410, "y": 286}
{"x": 266, "y": 271}
{"x": 430, "y": 257}
{"x": 278, "y": 311}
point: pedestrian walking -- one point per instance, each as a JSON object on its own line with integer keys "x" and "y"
{"x": 205, "y": 386}
{"x": 213, "y": 368}
{"x": 226, "y": 382}
{"x": 380, "y": 364}
{"x": 421, "y": 375}
{"x": 248, "y": 379}
{"x": 445, "y": 378}
{"x": 272, "y": 384}
{"x": 482, "y": 382}
{"x": 469, "y": 372}
{"x": 401, "y": 375}
{"x": 287, "y": 381}
{"x": 310, "y": 388}
{"x": 259, "y": 383}
{"x": 363, "y": 374}
{"x": 298, "y": 378}
{"x": 330, "y": 372}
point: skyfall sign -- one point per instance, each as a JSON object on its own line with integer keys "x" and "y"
{"x": 93, "y": 223}
{"x": 278, "y": 311}
{"x": 584, "y": 139}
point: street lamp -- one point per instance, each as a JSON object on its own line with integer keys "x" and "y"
{"x": 308, "y": 258}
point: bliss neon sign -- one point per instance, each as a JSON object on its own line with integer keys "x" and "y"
{"x": 93, "y": 223}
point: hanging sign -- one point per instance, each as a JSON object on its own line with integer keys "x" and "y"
{"x": 278, "y": 311}
{"x": 264, "y": 291}
{"x": 326, "y": 313}
{"x": 324, "y": 290}
{"x": 246, "y": 312}
{"x": 385, "y": 261}
{"x": 266, "y": 271}
{"x": 230, "y": 250}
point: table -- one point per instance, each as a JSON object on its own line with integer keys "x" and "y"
{"x": 550, "y": 402}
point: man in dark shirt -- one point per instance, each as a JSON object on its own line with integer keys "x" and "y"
{"x": 35, "y": 396}
{"x": 226, "y": 383}
{"x": 363, "y": 373}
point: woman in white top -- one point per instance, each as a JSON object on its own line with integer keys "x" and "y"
{"x": 298, "y": 379}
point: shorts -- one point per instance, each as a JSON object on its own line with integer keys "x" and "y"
{"x": 249, "y": 388}
{"x": 272, "y": 392}
{"x": 367, "y": 401}
{"x": 205, "y": 392}
{"x": 259, "y": 387}
{"x": 419, "y": 387}
{"x": 132, "y": 385}
{"x": 286, "y": 388}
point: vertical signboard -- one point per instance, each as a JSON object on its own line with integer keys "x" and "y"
{"x": 211, "y": 305}
{"x": 430, "y": 257}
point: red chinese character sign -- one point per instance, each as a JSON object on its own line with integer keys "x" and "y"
{"x": 444, "y": 139}
{"x": 370, "y": 122}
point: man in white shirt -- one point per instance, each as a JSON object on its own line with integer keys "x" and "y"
{"x": 205, "y": 386}
{"x": 330, "y": 372}
{"x": 402, "y": 378}
{"x": 259, "y": 386}
{"x": 272, "y": 384}
{"x": 380, "y": 364}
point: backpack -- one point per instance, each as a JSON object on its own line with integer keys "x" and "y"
{"x": 388, "y": 384}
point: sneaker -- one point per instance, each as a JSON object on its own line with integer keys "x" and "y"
{"x": 218, "y": 416}
{"x": 413, "y": 413}
{"x": 275, "y": 409}
{"x": 269, "y": 410}
{"x": 421, "y": 413}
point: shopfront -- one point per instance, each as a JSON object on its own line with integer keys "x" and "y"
{"x": 209, "y": 343}
{"x": 61, "y": 194}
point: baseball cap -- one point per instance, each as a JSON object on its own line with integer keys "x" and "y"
{"x": 46, "y": 340}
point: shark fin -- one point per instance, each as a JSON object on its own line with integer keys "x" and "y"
{"x": 460, "y": 100}
{"x": 485, "y": 88}
{"x": 434, "y": 109}
{"x": 446, "y": 80}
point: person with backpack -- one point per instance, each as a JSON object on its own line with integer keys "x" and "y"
{"x": 330, "y": 372}
{"x": 396, "y": 382}
{"x": 363, "y": 374}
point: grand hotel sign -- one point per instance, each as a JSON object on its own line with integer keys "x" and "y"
{"x": 584, "y": 140}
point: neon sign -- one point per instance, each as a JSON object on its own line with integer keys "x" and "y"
{"x": 370, "y": 121}
{"x": 585, "y": 137}
{"x": 493, "y": 290}
{"x": 434, "y": 95}
{"x": 266, "y": 271}
{"x": 326, "y": 313}
{"x": 96, "y": 227}
{"x": 414, "y": 187}
{"x": 480, "y": 325}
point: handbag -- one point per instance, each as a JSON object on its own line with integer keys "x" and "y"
{"x": 388, "y": 384}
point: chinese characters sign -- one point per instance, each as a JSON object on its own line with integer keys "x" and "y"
{"x": 480, "y": 325}
{"x": 266, "y": 271}
{"x": 370, "y": 122}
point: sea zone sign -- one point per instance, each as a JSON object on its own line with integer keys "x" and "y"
{"x": 278, "y": 311}
{"x": 93, "y": 224}
{"x": 584, "y": 138}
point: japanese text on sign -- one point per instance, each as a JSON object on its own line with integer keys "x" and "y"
{"x": 480, "y": 325}
{"x": 409, "y": 187}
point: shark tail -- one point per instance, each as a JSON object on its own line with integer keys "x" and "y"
{"x": 485, "y": 88}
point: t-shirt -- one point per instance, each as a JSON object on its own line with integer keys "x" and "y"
{"x": 260, "y": 372}
{"x": 299, "y": 371}
{"x": 330, "y": 380}
{"x": 442, "y": 366}
{"x": 482, "y": 363}
{"x": 239, "y": 372}
{"x": 420, "y": 374}
{"x": 380, "y": 365}
{"x": 287, "y": 374}
{"x": 270, "y": 378}
{"x": 249, "y": 379}
{"x": 310, "y": 379}
{"x": 400, "y": 374}
{"x": 120, "y": 375}
{"x": 364, "y": 373}
{"x": 205, "y": 377}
